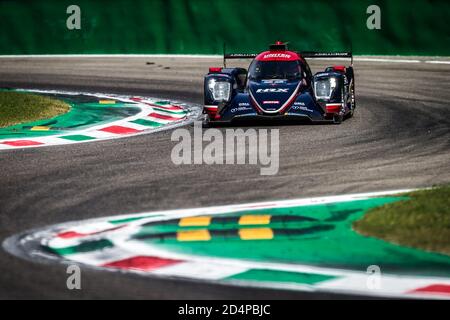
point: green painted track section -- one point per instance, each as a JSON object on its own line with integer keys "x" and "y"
{"x": 84, "y": 247}
{"x": 85, "y": 112}
{"x": 281, "y": 276}
{"x": 329, "y": 241}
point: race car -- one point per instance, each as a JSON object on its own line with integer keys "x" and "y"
{"x": 279, "y": 85}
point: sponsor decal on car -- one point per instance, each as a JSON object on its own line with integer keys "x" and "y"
{"x": 234, "y": 110}
{"x": 277, "y": 55}
{"x": 273, "y": 90}
{"x": 302, "y": 108}
{"x": 274, "y": 81}
{"x": 271, "y": 102}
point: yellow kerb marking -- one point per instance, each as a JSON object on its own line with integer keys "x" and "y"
{"x": 254, "y": 219}
{"x": 256, "y": 234}
{"x": 195, "y": 222}
{"x": 107, "y": 102}
{"x": 194, "y": 235}
{"x": 40, "y": 128}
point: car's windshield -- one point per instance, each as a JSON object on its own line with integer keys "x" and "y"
{"x": 260, "y": 70}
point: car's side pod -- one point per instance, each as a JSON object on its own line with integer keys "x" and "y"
{"x": 220, "y": 86}
{"x": 330, "y": 90}
{"x": 329, "y": 86}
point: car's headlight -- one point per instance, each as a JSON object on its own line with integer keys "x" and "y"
{"x": 219, "y": 89}
{"x": 323, "y": 88}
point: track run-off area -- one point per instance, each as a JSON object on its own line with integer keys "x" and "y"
{"x": 96, "y": 117}
{"x": 304, "y": 244}
{"x": 399, "y": 138}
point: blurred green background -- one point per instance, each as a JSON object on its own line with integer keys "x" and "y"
{"x": 414, "y": 27}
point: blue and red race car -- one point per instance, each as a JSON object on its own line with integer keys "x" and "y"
{"x": 279, "y": 85}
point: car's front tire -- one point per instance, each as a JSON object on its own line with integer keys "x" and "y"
{"x": 338, "y": 118}
{"x": 206, "y": 123}
{"x": 351, "y": 76}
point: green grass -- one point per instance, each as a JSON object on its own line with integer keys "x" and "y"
{"x": 17, "y": 107}
{"x": 421, "y": 222}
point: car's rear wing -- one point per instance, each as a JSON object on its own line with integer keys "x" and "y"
{"x": 238, "y": 56}
{"x": 283, "y": 46}
{"x": 317, "y": 55}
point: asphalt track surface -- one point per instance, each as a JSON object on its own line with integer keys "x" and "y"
{"x": 398, "y": 138}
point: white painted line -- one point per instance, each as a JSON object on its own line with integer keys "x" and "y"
{"x": 437, "y": 62}
{"x": 140, "y": 248}
{"x": 361, "y": 59}
{"x": 387, "y": 60}
{"x": 170, "y": 114}
{"x": 392, "y": 284}
{"x": 189, "y": 56}
{"x": 208, "y": 56}
{"x": 180, "y": 213}
{"x": 5, "y": 146}
{"x": 135, "y": 126}
{"x": 101, "y": 257}
{"x": 94, "y": 227}
{"x": 58, "y": 243}
{"x": 154, "y": 119}
{"x": 49, "y": 140}
{"x": 100, "y": 135}
{"x": 200, "y": 270}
